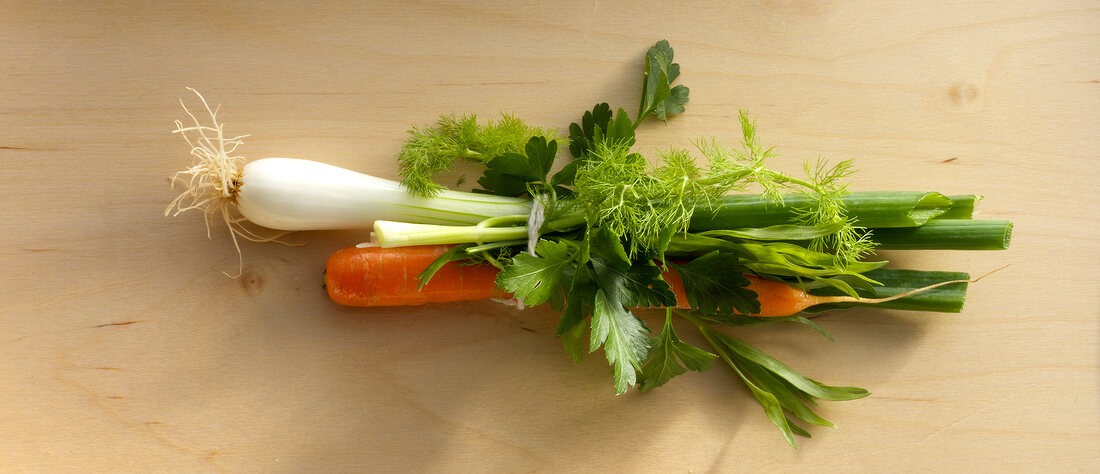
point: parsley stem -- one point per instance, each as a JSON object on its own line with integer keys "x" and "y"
{"x": 494, "y": 245}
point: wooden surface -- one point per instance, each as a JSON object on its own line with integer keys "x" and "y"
{"x": 124, "y": 348}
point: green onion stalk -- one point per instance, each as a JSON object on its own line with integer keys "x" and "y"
{"x": 894, "y": 220}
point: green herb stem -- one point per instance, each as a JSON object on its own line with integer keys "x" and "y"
{"x": 494, "y": 245}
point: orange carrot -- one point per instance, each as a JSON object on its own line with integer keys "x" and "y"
{"x": 374, "y": 276}
{"x": 776, "y": 299}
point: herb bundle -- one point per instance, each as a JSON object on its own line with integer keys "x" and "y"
{"x": 613, "y": 226}
{"x": 710, "y": 234}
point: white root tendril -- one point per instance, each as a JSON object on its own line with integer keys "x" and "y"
{"x": 850, "y": 299}
{"x": 214, "y": 178}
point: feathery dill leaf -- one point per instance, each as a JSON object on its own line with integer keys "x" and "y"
{"x": 430, "y": 151}
{"x": 628, "y": 197}
{"x": 826, "y": 186}
{"x": 644, "y": 203}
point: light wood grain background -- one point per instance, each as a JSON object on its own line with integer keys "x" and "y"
{"x": 124, "y": 348}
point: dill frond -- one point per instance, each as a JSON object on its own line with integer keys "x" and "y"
{"x": 430, "y": 151}
{"x": 641, "y": 202}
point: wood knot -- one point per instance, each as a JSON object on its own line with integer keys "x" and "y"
{"x": 251, "y": 282}
{"x": 963, "y": 93}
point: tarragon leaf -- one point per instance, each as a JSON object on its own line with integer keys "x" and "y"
{"x": 807, "y": 386}
{"x": 783, "y": 252}
{"x": 695, "y": 244}
{"x": 623, "y": 337}
{"x": 787, "y": 395}
{"x": 666, "y": 353}
{"x": 780, "y": 232}
{"x": 776, "y": 386}
{"x": 534, "y": 279}
{"x": 738, "y": 320}
{"x": 772, "y": 408}
{"x": 713, "y": 285}
{"x": 784, "y": 259}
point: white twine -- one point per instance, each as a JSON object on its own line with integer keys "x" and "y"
{"x": 534, "y": 221}
{"x": 516, "y": 303}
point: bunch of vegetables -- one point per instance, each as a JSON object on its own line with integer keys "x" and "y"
{"x": 710, "y": 235}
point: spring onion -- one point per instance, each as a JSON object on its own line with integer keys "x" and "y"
{"x": 286, "y": 194}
